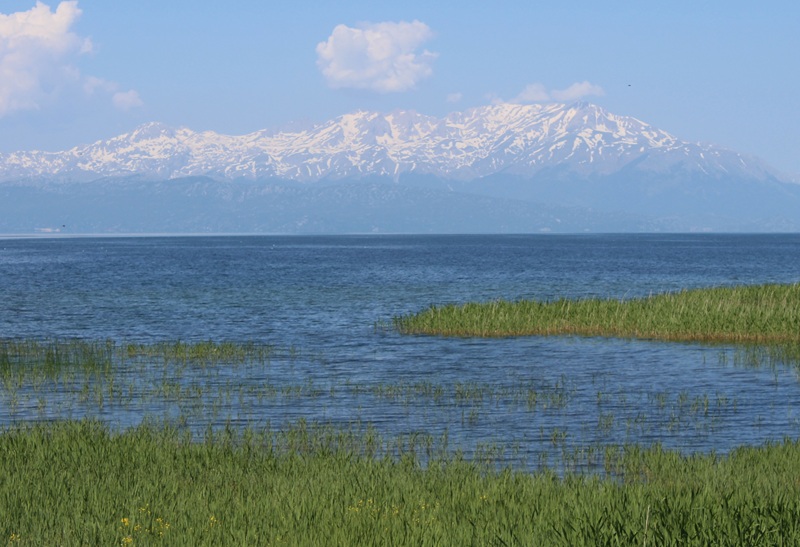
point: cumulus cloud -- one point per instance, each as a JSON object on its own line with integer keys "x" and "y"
{"x": 576, "y": 91}
{"x": 454, "y": 97}
{"x": 91, "y": 84}
{"x": 533, "y": 93}
{"x": 538, "y": 93}
{"x": 125, "y": 100}
{"x": 381, "y": 57}
{"x": 37, "y": 55}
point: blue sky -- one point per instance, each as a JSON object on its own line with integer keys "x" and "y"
{"x": 724, "y": 72}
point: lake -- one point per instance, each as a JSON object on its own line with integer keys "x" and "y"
{"x": 325, "y": 305}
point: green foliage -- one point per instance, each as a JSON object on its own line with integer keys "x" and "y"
{"x": 51, "y": 358}
{"x": 70, "y": 483}
{"x": 80, "y": 482}
{"x": 747, "y": 314}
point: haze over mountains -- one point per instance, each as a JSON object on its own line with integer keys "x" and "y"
{"x": 498, "y": 168}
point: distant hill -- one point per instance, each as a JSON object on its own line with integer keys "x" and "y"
{"x": 498, "y": 168}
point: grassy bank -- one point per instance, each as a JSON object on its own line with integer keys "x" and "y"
{"x": 748, "y": 314}
{"x": 76, "y": 483}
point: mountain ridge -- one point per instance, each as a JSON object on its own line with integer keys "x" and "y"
{"x": 509, "y": 139}
{"x": 494, "y": 169}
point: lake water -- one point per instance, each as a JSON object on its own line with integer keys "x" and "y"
{"x": 326, "y": 304}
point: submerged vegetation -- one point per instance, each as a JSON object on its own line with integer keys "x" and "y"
{"x": 743, "y": 314}
{"x": 79, "y": 483}
{"x": 205, "y": 443}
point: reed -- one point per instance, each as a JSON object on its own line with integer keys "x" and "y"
{"x": 78, "y": 483}
{"x": 202, "y": 352}
{"x": 195, "y": 388}
{"x": 742, "y": 314}
{"x": 53, "y": 358}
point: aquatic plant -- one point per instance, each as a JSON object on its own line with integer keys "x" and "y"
{"x": 80, "y": 483}
{"x": 742, "y": 314}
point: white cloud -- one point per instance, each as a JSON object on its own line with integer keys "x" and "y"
{"x": 92, "y": 84}
{"x": 533, "y": 93}
{"x": 37, "y": 55}
{"x": 494, "y": 98}
{"x": 36, "y": 47}
{"x": 576, "y": 91}
{"x": 380, "y": 57}
{"x": 454, "y": 97}
{"x": 126, "y": 100}
{"x": 538, "y": 93}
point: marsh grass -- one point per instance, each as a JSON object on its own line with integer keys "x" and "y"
{"x": 206, "y": 352}
{"x": 189, "y": 468}
{"x": 743, "y": 314}
{"x": 70, "y": 483}
{"x": 52, "y": 358}
{"x": 530, "y": 421}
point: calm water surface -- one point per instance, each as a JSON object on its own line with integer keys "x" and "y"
{"x": 326, "y": 300}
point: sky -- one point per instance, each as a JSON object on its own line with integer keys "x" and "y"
{"x": 724, "y": 72}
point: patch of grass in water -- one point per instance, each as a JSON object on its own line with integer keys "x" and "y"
{"x": 53, "y": 358}
{"x": 743, "y": 314}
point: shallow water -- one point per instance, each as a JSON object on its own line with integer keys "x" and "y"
{"x": 325, "y": 303}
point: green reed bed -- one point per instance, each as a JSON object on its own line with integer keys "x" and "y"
{"x": 45, "y": 379}
{"x": 743, "y": 314}
{"x": 202, "y": 352}
{"x": 77, "y": 483}
{"x": 195, "y": 386}
{"x": 52, "y": 358}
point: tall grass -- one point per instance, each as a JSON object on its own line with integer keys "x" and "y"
{"x": 52, "y": 358}
{"x": 81, "y": 482}
{"x": 77, "y": 483}
{"x": 753, "y": 314}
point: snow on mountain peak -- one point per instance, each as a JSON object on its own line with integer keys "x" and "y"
{"x": 517, "y": 139}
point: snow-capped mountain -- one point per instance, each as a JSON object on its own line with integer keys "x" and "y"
{"x": 508, "y": 139}
{"x": 498, "y": 168}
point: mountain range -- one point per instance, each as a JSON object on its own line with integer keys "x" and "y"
{"x": 496, "y": 168}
